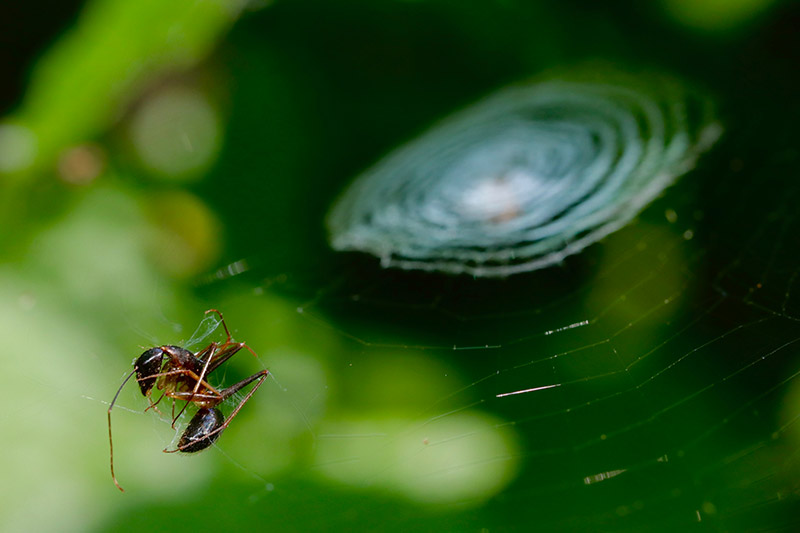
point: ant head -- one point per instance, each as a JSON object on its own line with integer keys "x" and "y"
{"x": 148, "y": 364}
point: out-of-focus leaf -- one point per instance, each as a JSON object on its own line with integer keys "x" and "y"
{"x": 78, "y": 87}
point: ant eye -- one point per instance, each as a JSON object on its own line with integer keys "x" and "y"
{"x": 148, "y": 364}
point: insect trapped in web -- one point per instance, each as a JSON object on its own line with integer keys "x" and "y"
{"x": 181, "y": 375}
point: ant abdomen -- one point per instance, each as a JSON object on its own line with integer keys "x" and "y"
{"x": 202, "y": 431}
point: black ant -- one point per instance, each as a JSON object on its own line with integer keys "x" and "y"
{"x": 182, "y": 374}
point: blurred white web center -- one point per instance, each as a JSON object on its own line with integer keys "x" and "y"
{"x": 498, "y": 198}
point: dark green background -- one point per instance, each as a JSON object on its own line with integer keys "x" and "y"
{"x": 684, "y": 377}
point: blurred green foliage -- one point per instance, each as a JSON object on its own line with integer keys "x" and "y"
{"x": 116, "y": 48}
{"x": 157, "y": 142}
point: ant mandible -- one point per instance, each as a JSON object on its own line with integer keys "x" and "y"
{"x": 182, "y": 374}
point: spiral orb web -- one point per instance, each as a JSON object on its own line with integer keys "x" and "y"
{"x": 526, "y": 177}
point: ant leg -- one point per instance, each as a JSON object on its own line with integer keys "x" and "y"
{"x": 189, "y": 373}
{"x": 226, "y": 352}
{"x": 249, "y": 349}
{"x": 173, "y": 395}
{"x": 207, "y": 351}
{"x": 228, "y": 333}
{"x": 214, "y": 360}
{"x": 196, "y": 383}
{"x": 259, "y": 377}
{"x": 236, "y": 387}
{"x": 154, "y": 404}
{"x": 200, "y": 397}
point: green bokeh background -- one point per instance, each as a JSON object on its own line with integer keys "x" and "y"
{"x": 161, "y": 158}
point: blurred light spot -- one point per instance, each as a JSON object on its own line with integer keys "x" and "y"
{"x": 656, "y": 251}
{"x": 788, "y": 420}
{"x": 671, "y": 216}
{"x": 95, "y": 254}
{"x": 82, "y": 164}
{"x": 466, "y": 457}
{"x": 27, "y": 301}
{"x": 715, "y": 15}
{"x": 383, "y": 382}
{"x": 176, "y": 133}
{"x": 17, "y": 148}
{"x": 187, "y": 237}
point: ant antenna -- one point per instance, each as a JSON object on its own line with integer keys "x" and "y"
{"x": 110, "y": 443}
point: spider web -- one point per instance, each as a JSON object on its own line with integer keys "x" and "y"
{"x": 648, "y": 383}
{"x": 653, "y": 377}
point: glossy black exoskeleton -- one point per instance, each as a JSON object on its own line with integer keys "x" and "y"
{"x": 202, "y": 430}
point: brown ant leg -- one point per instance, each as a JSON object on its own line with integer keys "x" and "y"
{"x": 228, "y": 333}
{"x": 226, "y": 393}
{"x": 189, "y": 373}
{"x": 226, "y": 352}
{"x": 211, "y": 350}
{"x": 229, "y": 340}
{"x": 198, "y": 381}
{"x": 213, "y": 399}
{"x": 154, "y": 404}
{"x": 215, "y": 359}
{"x": 208, "y": 351}
{"x": 236, "y": 387}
